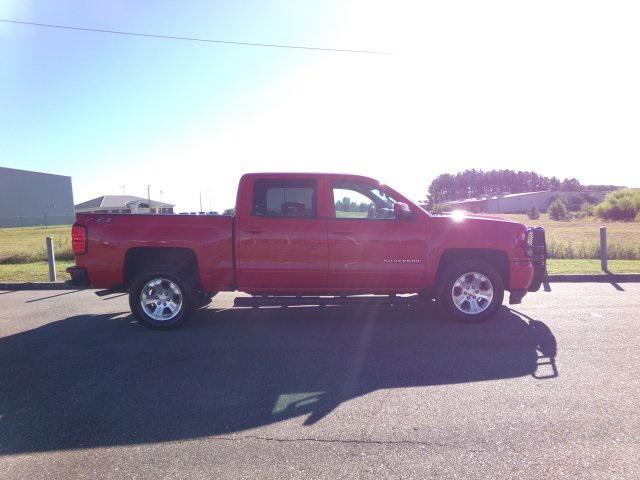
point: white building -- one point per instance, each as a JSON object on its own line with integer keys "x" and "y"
{"x": 123, "y": 204}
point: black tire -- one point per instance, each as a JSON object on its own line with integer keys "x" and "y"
{"x": 445, "y": 290}
{"x": 187, "y": 303}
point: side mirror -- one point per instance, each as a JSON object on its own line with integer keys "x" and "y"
{"x": 402, "y": 211}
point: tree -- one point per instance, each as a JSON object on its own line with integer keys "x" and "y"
{"x": 587, "y": 209}
{"x": 533, "y": 213}
{"x": 620, "y": 205}
{"x": 229, "y": 211}
{"x": 558, "y": 210}
{"x": 575, "y": 203}
{"x": 474, "y": 183}
{"x": 570, "y": 185}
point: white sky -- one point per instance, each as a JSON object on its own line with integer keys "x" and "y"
{"x": 550, "y": 86}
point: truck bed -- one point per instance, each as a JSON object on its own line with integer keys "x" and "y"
{"x": 111, "y": 237}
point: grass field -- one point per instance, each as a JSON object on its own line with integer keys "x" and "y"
{"x": 33, "y": 272}
{"x": 556, "y": 266}
{"x": 27, "y": 244}
{"x": 575, "y": 239}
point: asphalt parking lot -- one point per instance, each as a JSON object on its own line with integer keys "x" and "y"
{"x": 548, "y": 391}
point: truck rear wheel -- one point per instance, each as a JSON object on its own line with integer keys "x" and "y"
{"x": 160, "y": 299}
{"x": 470, "y": 291}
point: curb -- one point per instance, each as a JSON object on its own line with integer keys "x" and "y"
{"x": 596, "y": 278}
{"x": 39, "y": 286}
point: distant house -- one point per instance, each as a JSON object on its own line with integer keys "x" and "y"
{"x": 512, "y": 202}
{"x": 123, "y": 204}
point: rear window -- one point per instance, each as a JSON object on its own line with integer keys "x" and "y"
{"x": 284, "y": 198}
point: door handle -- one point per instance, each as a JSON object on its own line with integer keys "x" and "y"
{"x": 254, "y": 231}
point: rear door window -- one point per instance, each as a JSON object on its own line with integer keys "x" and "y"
{"x": 285, "y": 198}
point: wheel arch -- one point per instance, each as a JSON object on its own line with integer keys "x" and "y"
{"x": 183, "y": 261}
{"x": 498, "y": 259}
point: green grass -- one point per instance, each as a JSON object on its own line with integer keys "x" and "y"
{"x": 33, "y": 272}
{"x": 556, "y": 266}
{"x": 27, "y": 244}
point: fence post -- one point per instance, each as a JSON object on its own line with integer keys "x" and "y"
{"x": 603, "y": 249}
{"x": 52, "y": 259}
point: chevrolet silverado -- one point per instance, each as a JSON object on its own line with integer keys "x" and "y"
{"x": 308, "y": 234}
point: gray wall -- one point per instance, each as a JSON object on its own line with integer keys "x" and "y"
{"x": 518, "y": 204}
{"x": 522, "y": 203}
{"x": 26, "y": 198}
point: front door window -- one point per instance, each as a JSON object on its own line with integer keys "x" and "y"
{"x": 355, "y": 200}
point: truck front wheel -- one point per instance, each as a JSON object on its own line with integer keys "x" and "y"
{"x": 160, "y": 299}
{"x": 470, "y": 291}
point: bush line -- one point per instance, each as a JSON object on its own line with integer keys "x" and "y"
{"x": 591, "y": 250}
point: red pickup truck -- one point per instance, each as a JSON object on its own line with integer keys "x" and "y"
{"x": 308, "y": 234}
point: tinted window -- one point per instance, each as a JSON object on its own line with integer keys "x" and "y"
{"x": 284, "y": 198}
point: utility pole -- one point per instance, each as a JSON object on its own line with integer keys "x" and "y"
{"x": 161, "y": 201}
{"x": 200, "y": 200}
{"x": 149, "y": 197}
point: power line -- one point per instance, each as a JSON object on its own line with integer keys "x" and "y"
{"x": 192, "y": 39}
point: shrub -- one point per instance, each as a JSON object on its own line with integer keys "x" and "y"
{"x": 558, "y": 210}
{"x": 533, "y": 213}
{"x": 587, "y": 210}
{"x": 591, "y": 250}
{"x": 575, "y": 203}
{"x": 620, "y": 205}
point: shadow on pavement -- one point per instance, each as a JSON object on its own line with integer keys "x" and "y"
{"x": 101, "y": 380}
{"x": 52, "y": 296}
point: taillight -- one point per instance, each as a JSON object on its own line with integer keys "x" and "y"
{"x": 528, "y": 249}
{"x": 536, "y": 244}
{"x": 79, "y": 239}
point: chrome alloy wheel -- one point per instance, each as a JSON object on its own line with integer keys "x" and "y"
{"x": 161, "y": 299}
{"x": 472, "y": 293}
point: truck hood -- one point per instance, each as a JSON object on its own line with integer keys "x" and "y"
{"x": 465, "y": 222}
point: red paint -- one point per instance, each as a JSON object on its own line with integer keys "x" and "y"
{"x": 318, "y": 254}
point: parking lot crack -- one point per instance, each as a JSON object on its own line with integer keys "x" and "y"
{"x": 335, "y": 441}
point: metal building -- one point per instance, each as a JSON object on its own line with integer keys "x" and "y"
{"x": 513, "y": 202}
{"x": 33, "y": 198}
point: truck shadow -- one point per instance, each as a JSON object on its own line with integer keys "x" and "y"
{"x": 102, "y": 380}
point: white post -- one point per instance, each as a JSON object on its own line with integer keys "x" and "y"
{"x": 52, "y": 259}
